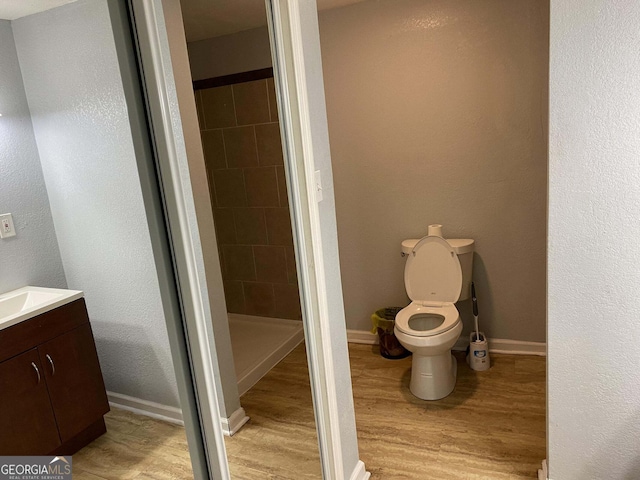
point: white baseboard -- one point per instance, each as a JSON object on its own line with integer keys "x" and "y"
{"x": 543, "y": 473}
{"x": 171, "y": 414}
{"x": 360, "y": 472}
{"x": 496, "y": 345}
{"x": 362, "y": 336}
{"x": 146, "y": 408}
{"x": 509, "y": 347}
{"x": 231, "y": 425}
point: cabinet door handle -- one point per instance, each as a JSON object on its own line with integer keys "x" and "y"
{"x": 35, "y": 367}
{"x": 53, "y": 366}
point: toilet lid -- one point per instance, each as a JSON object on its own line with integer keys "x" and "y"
{"x": 433, "y": 273}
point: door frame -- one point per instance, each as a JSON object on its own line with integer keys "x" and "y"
{"x": 297, "y": 64}
{"x": 295, "y": 41}
{"x": 191, "y": 339}
{"x": 126, "y": 37}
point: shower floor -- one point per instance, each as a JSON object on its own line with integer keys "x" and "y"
{"x": 259, "y": 344}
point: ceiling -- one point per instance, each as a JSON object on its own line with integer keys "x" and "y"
{"x": 202, "y": 18}
{"x": 213, "y": 18}
{"x": 12, "y": 9}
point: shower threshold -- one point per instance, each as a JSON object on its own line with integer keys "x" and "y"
{"x": 259, "y": 344}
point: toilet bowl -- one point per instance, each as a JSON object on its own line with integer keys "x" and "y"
{"x": 430, "y": 326}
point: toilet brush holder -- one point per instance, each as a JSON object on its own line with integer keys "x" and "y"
{"x": 479, "y": 352}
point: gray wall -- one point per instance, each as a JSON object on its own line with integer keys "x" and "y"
{"x": 594, "y": 207}
{"x": 218, "y": 56}
{"x": 437, "y": 114}
{"x": 32, "y": 257}
{"x": 81, "y": 124}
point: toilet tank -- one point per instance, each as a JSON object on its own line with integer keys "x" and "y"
{"x": 464, "y": 249}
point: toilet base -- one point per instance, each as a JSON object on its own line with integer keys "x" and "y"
{"x": 433, "y": 377}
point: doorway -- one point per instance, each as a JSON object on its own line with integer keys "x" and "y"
{"x": 238, "y": 118}
{"x": 309, "y": 177}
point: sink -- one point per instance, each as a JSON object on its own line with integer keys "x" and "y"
{"x": 28, "y": 302}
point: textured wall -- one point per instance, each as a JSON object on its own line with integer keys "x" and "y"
{"x": 594, "y": 207}
{"x": 437, "y": 114}
{"x": 32, "y": 257}
{"x": 241, "y": 141}
{"x": 81, "y": 124}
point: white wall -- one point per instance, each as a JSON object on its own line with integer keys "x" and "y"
{"x": 81, "y": 124}
{"x": 594, "y": 251}
{"x": 437, "y": 114}
{"x": 32, "y": 257}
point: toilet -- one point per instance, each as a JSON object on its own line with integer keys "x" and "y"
{"x": 437, "y": 274}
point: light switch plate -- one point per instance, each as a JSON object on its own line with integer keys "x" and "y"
{"x": 6, "y": 226}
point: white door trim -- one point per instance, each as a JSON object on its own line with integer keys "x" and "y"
{"x": 295, "y": 47}
{"x": 154, "y": 49}
{"x": 298, "y": 147}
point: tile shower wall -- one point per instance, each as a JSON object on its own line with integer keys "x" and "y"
{"x": 241, "y": 141}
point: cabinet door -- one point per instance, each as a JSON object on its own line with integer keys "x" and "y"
{"x": 74, "y": 380}
{"x": 27, "y": 424}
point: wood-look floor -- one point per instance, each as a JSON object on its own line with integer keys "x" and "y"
{"x": 491, "y": 427}
{"x": 134, "y": 447}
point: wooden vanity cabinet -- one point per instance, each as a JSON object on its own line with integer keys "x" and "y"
{"x": 74, "y": 381}
{"x": 52, "y": 396}
{"x": 27, "y": 423}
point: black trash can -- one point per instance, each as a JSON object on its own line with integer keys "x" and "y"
{"x": 383, "y": 321}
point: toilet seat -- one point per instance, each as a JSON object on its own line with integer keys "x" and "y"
{"x": 433, "y": 280}
{"x": 405, "y": 319}
{"x": 432, "y": 274}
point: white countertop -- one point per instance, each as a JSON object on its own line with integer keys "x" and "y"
{"x": 28, "y": 302}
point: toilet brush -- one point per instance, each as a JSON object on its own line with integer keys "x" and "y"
{"x": 478, "y": 346}
{"x": 475, "y": 309}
